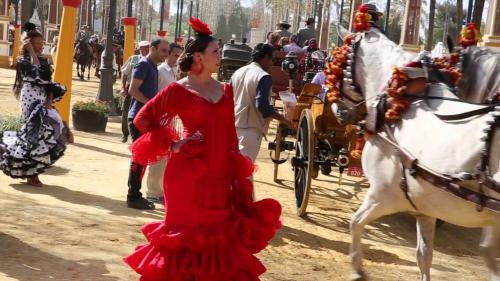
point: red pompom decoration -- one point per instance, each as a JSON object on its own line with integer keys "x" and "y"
{"x": 199, "y": 27}
{"x": 363, "y": 9}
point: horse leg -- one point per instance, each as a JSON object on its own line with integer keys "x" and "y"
{"x": 88, "y": 73}
{"x": 82, "y": 71}
{"x": 490, "y": 247}
{"x": 426, "y": 227}
{"x": 78, "y": 70}
{"x": 373, "y": 207}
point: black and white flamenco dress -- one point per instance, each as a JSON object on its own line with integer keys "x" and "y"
{"x": 43, "y": 137}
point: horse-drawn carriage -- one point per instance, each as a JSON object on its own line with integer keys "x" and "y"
{"x": 318, "y": 140}
{"x": 234, "y": 56}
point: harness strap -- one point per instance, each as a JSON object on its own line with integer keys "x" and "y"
{"x": 466, "y": 114}
{"x": 443, "y": 182}
{"x": 458, "y": 116}
{"x": 407, "y": 162}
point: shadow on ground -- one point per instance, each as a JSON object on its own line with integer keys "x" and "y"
{"x": 116, "y": 207}
{"x": 23, "y": 262}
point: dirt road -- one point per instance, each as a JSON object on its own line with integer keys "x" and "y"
{"x": 77, "y": 227}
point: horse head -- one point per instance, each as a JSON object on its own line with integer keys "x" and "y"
{"x": 369, "y": 63}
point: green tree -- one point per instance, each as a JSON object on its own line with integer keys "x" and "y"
{"x": 447, "y": 22}
{"x": 238, "y": 23}
{"x": 222, "y": 30}
{"x": 395, "y": 20}
{"x": 234, "y": 25}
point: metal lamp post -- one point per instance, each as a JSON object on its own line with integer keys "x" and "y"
{"x": 107, "y": 72}
{"x": 162, "y": 11}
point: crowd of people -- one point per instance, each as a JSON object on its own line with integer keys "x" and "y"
{"x": 306, "y": 39}
{"x": 198, "y": 137}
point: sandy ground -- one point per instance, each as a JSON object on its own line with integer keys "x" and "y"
{"x": 77, "y": 227}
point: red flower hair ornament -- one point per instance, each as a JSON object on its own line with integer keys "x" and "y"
{"x": 200, "y": 27}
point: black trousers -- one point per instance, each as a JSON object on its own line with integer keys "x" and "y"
{"x": 136, "y": 171}
{"x": 125, "y": 108}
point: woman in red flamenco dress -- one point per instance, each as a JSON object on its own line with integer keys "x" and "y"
{"x": 212, "y": 227}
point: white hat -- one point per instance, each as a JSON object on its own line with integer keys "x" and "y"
{"x": 143, "y": 44}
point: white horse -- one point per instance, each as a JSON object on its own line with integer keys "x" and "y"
{"x": 445, "y": 147}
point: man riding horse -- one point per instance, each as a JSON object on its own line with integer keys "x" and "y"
{"x": 83, "y": 37}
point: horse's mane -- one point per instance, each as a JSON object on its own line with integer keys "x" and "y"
{"x": 481, "y": 69}
{"x": 379, "y": 59}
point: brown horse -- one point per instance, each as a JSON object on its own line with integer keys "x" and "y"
{"x": 83, "y": 57}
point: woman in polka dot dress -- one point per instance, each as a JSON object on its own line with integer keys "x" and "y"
{"x": 43, "y": 137}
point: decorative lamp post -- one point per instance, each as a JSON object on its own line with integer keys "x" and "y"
{"x": 64, "y": 56}
{"x": 130, "y": 23}
{"x": 162, "y": 13}
{"x": 107, "y": 72}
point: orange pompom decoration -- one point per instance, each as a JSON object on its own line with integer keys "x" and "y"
{"x": 358, "y": 147}
{"x": 400, "y": 105}
{"x": 395, "y": 90}
{"x": 392, "y": 115}
{"x": 334, "y": 71}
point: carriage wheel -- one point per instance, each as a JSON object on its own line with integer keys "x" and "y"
{"x": 304, "y": 161}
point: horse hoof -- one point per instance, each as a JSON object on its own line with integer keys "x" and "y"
{"x": 358, "y": 276}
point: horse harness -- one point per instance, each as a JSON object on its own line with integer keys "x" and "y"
{"x": 374, "y": 124}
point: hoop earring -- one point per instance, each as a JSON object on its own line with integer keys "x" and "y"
{"x": 196, "y": 68}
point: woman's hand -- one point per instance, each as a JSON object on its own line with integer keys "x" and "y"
{"x": 176, "y": 146}
{"x": 27, "y": 46}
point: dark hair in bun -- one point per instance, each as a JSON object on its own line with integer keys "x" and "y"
{"x": 30, "y": 31}
{"x": 198, "y": 44}
{"x": 262, "y": 51}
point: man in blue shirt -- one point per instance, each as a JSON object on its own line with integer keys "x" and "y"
{"x": 143, "y": 87}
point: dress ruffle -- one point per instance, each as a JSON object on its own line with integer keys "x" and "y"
{"x": 152, "y": 146}
{"x": 210, "y": 252}
{"x": 35, "y": 147}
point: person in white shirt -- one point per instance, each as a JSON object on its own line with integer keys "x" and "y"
{"x": 293, "y": 46}
{"x": 167, "y": 72}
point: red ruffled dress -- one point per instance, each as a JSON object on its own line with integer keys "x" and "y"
{"x": 212, "y": 227}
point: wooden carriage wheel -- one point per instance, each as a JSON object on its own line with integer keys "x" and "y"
{"x": 304, "y": 160}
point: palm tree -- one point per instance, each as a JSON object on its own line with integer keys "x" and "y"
{"x": 477, "y": 13}
{"x": 430, "y": 31}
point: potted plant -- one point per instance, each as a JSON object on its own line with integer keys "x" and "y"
{"x": 10, "y": 123}
{"x": 90, "y": 116}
